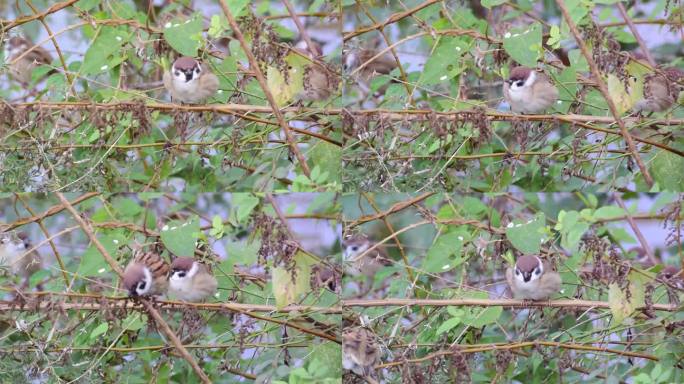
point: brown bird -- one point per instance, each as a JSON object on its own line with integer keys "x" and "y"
{"x": 359, "y": 262}
{"x": 320, "y": 81}
{"x": 189, "y": 81}
{"x": 382, "y": 65}
{"x": 21, "y": 69}
{"x": 360, "y": 352}
{"x": 532, "y": 279}
{"x": 191, "y": 280}
{"x": 529, "y": 91}
{"x": 146, "y": 275}
{"x": 13, "y": 247}
{"x": 661, "y": 90}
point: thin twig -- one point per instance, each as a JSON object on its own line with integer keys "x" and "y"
{"x": 520, "y": 345}
{"x": 635, "y": 32}
{"x": 390, "y": 302}
{"x": 26, "y": 19}
{"x": 264, "y": 86}
{"x": 392, "y": 19}
{"x": 55, "y": 209}
{"x": 636, "y": 230}
{"x": 604, "y": 91}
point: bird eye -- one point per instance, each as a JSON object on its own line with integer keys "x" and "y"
{"x": 177, "y": 73}
{"x": 197, "y": 70}
{"x": 354, "y": 248}
{"x": 519, "y": 83}
{"x": 517, "y": 273}
{"x": 537, "y": 271}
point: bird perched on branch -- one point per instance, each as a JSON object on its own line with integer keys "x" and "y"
{"x": 529, "y": 91}
{"x": 189, "y": 81}
{"x": 360, "y": 262}
{"x": 360, "y": 352}
{"x": 146, "y": 275}
{"x": 21, "y": 63}
{"x": 191, "y": 280}
{"x": 532, "y": 279}
{"x": 661, "y": 90}
{"x": 14, "y": 256}
{"x": 355, "y": 58}
{"x": 319, "y": 81}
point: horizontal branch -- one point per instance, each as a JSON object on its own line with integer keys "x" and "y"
{"x": 124, "y": 302}
{"x": 498, "y": 346}
{"x": 491, "y": 303}
{"x": 55, "y": 209}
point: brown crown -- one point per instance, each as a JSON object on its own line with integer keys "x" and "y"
{"x": 527, "y": 263}
{"x": 519, "y": 73}
{"x": 182, "y": 263}
{"x": 184, "y": 63}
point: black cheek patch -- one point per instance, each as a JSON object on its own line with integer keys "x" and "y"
{"x": 520, "y": 83}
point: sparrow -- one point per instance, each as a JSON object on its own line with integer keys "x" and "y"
{"x": 383, "y": 65}
{"x": 146, "y": 275}
{"x": 13, "y": 247}
{"x": 319, "y": 81}
{"x": 532, "y": 279}
{"x": 22, "y": 69}
{"x": 189, "y": 82}
{"x": 191, "y": 280}
{"x": 360, "y": 352}
{"x": 661, "y": 90}
{"x": 673, "y": 275}
{"x": 358, "y": 263}
{"x": 529, "y": 91}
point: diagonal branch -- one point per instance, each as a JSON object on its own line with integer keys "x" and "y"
{"x": 264, "y": 86}
{"x": 604, "y": 91}
{"x": 146, "y": 303}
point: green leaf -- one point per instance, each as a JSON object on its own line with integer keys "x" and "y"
{"x": 99, "y": 330}
{"x": 608, "y": 212}
{"x": 448, "y": 325}
{"x": 666, "y": 168}
{"x": 328, "y": 157}
{"x": 444, "y": 63}
{"x": 524, "y": 44}
{"x": 105, "y": 52}
{"x": 287, "y": 290}
{"x": 527, "y": 237}
{"x": 180, "y": 237}
{"x": 243, "y": 205}
{"x": 479, "y": 317}
{"x": 491, "y": 3}
{"x": 439, "y": 257}
{"x": 184, "y": 36}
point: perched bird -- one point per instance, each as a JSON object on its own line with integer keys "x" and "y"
{"x": 146, "y": 275}
{"x": 21, "y": 69}
{"x": 191, "y": 280}
{"x": 189, "y": 82}
{"x": 529, "y": 91}
{"x": 355, "y": 58}
{"x": 360, "y": 351}
{"x": 360, "y": 262}
{"x": 673, "y": 275}
{"x": 319, "y": 81}
{"x": 13, "y": 247}
{"x": 661, "y": 90}
{"x": 532, "y": 279}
